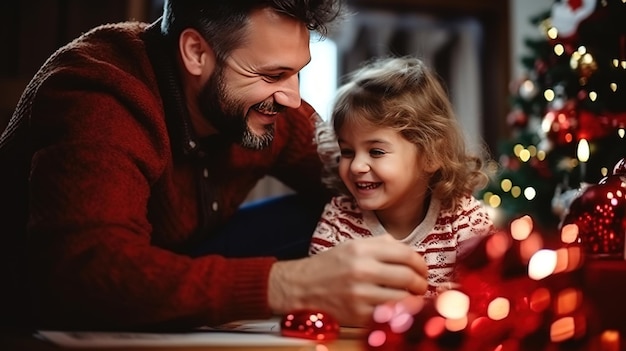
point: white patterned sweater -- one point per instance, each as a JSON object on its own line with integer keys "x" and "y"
{"x": 439, "y": 237}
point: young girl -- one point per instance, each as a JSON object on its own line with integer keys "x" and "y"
{"x": 403, "y": 167}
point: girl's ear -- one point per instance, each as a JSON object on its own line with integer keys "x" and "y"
{"x": 196, "y": 54}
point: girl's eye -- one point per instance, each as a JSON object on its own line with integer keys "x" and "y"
{"x": 347, "y": 153}
{"x": 377, "y": 152}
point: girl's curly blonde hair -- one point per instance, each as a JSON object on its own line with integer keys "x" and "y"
{"x": 403, "y": 94}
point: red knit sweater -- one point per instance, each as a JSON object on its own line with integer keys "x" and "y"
{"x": 111, "y": 199}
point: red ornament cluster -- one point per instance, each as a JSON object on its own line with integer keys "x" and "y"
{"x": 308, "y": 324}
{"x": 599, "y": 214}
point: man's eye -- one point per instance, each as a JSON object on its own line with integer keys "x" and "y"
{"x": 273, "y": 78}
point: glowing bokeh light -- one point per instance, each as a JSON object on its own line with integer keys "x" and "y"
{"x": 452, "y": 304}
{"x": 530, "y": 246}
{"x": 516, "y": 191}
{"x": 401, "y": 323}
{"x": 455, "y": 325}
{"x": 497, "y": 245}
{"x": 540, "y": 300}
{"x": 567, "y": 301}
{"x": 382, "y": 313}
{"x": 530, "y": 193}
{"x": 521, "y": 227}
{"x": 569, "y": 233}
{"x": 506, "y": 185}
{"x": 582, "y": 151}
{"x": 499, "y": 308}
{"x": 562, "y": 329}
{"x": 541, "y": 264}
{"x": 524, "y": 155}
{"x": 434, "y": 327}
{"x": 376, "y": 338}
{"x": 559, "y": 49}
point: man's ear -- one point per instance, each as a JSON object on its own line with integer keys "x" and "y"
{"x": 196, "y": 54}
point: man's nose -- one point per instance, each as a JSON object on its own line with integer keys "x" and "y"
{"x": 289, "y": 93}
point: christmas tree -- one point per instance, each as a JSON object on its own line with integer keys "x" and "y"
{"x": 568, "y": 112}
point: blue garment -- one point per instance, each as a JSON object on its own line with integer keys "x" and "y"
{"x": 280, "y": 226}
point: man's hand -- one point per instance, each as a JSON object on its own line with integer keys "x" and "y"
{"x": 349, "y": 280}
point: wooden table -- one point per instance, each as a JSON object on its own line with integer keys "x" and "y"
{"x": 347, "y": 342}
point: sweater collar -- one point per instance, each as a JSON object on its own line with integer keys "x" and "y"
{"x": 184, "y": 141}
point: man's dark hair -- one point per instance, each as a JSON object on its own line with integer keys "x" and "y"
{"x": 223, "y": 22}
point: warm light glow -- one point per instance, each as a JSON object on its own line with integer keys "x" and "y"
{"x": 613, "y": 86}
{"x": 541, "y": 155}
{"x": 562, "y": 260}
{"x": 401, "y": 323}
{"x": 553, "y": 33}
{"x": 499, "y": 308}
{"x": 567, "y": 301}
{"x": 452, "y": 304}
{"x": 609, "y": 340}
{"x": 376, "y": 338}
{"x": 455, "y": 325}
{"x": 516, "y": 191}
{"x": 527, "y": 88}
{"x": 382, "y": 314}
{"x": 434, "y": 327}
{"x": 562, "y": 329}
{"x": 497, "y": 245}
{"x": 540, "y": 300}
{"x": 541, "y": 264}
{"x": 494, "y": 201}
{"x": 549, "y": 95}
{"x": 530, "y": 193}
{"x": 569, "y": 233}
{"x": 559, "y": 49}
{"x": 574, "y": 258}
{"x": 528, "y": 247}
{"x": 573, "y": 62}
{"x": 521, "y": 227}
{"x": 524, "y": 155}
{"x": 546, "y": 123}
{"x": 593, "y": 96}
{"x": 621, "y": 133}
{"x": 506, "y": 185}
{"x": 582, "y": 152}
{"x": 517, "y": 149}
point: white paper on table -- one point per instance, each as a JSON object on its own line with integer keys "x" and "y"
{"x": 241, "y": 333}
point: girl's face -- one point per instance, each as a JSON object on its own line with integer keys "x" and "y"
{"x": 380, "y": 168}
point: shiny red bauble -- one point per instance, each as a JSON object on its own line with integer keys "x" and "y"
{"x": 308, "y": 324}
{"x": 600, "y": 215}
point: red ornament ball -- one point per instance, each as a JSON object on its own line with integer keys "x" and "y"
{"x": 599, "y": 212}
{"x": 308, "y": 324}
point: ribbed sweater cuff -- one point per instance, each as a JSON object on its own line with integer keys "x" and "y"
{"x": 249, "y": 294}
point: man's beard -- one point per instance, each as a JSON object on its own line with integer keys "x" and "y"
{"x": 227, "y": 114}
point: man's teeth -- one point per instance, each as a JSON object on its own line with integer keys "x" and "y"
{"x": 266, "y": 112}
